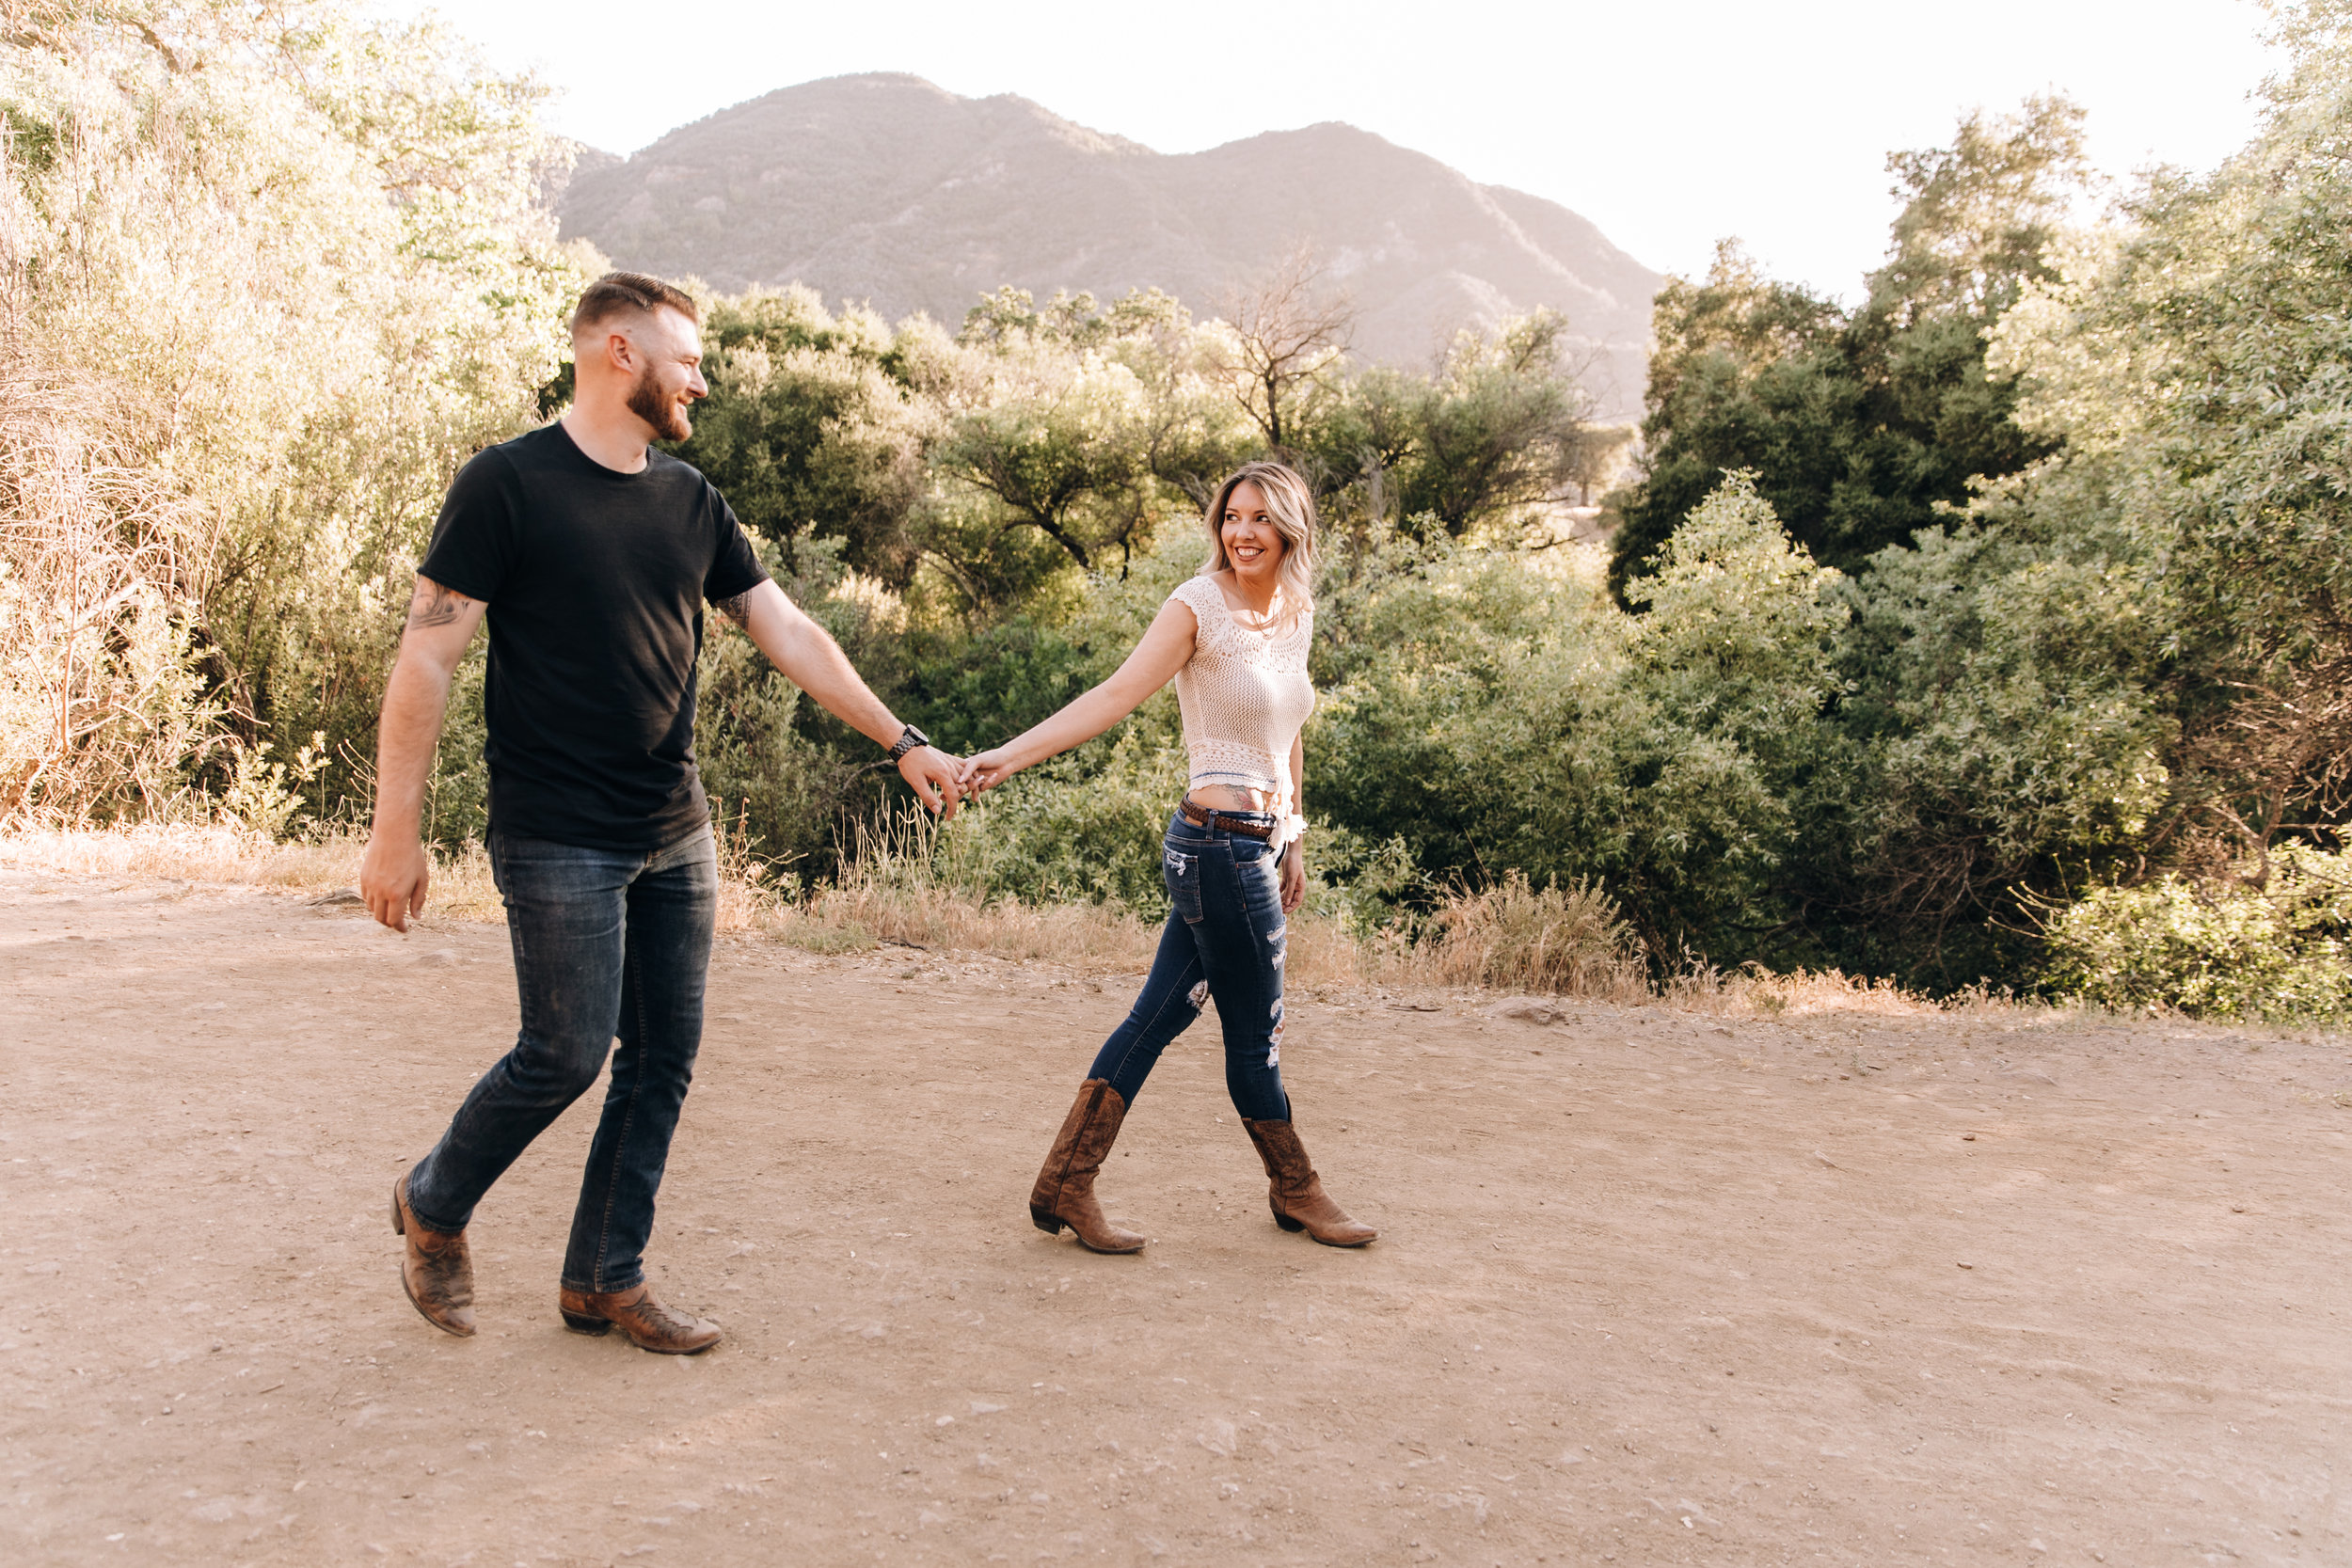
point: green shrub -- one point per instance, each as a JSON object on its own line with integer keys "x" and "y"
{"x": 1067, "y": 831}
{"x": 2276, "y": 950}
{"x": 1496, "y": 714}
{"x": 783, "y": 771}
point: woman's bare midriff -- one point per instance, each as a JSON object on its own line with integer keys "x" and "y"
{"x": 1231, "y": 797}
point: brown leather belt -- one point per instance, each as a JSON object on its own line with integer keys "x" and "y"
{"x": 1224, "y": 821}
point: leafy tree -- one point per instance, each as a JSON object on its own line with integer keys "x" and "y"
{"x": 1734, "y": 656}
{"x": 1082, "y": 426}
{"x": 2017, "y": 591}
{"x": 1992, "y": 729}
{"x": 813, "y": 428}
{"x": 1062, "y": 453}
{"x": 273, "y": 272}
{"x": 1998, "y": 694}
{"x": 1488, "y": 719}
{"x": 2198, "y": 361}
{"x": 1011, "y": 317}
{"x": 1861, "y": 426}
{"x": 1503, "y": 424}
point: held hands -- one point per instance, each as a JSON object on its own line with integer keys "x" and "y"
{"x": 934, "y": 776}
{"x": 988, "y": 770}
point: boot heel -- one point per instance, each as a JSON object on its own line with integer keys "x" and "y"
{"x": 1044, "y": 1220}
{"x": 578, "y": 1324}
{"x": 1286, "y": 1222}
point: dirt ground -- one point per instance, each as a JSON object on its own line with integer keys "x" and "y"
{"x": 1652, "y": 1288}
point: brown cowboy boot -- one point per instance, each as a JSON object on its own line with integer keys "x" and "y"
{"x": 1064, "y": 1194}
{"x": 1295, "y": 1192}
{"x": 648, "y": 1324}
{"x": 436, "y": 1270}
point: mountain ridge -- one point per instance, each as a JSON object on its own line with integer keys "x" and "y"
{"x": 886, "y": 189}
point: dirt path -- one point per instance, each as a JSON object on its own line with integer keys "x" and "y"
{"x": 1650, "y": 1290}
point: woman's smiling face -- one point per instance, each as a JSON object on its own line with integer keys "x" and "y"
{"x": 1252, "y": 542}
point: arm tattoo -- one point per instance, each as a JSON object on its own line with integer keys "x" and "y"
{"x": 432, "y": 605}
{"x": 735, "y": 608}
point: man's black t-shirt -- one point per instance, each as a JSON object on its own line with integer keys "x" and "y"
{"x": 595, "y": 582}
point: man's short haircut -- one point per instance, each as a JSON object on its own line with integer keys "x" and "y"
{"x": 622, "y": 293}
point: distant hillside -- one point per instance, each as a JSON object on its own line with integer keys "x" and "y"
{"x": 886, "y": 189}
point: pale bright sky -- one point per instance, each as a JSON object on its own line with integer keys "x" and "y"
{"x": 1667, "y": 122}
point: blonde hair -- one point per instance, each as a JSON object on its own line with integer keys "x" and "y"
{"x": 1291, "y": 506}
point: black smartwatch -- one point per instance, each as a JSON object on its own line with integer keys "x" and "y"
{"x": 908, "y": 742}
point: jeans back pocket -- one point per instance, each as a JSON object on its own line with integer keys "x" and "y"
{"x": 1182, "y": 872}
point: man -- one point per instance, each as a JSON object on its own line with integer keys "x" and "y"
{"x": 592, "y": 556}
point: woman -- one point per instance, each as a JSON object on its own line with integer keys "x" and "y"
{"x": 1234, "y": 639}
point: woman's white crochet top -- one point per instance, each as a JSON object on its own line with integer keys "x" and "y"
{"x": 1244, "y": 695}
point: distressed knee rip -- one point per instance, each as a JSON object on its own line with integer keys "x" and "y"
{"x": 1199, "y": 996}
{"x": 1274, "y": 1040}
{"x": 1281, "y": 948}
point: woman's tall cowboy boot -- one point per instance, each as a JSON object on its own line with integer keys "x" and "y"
{"x": 1296, "y": 1194}
{"x": 1064, "y": 1194}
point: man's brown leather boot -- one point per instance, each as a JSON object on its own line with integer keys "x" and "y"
{"x": 1064, "y": 1194}
{"x": 648, "y": 1324}
{"x": 1295, "y": 1192}
{"x": 436, "y": 1270}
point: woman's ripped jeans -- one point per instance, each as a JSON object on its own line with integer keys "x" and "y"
{"x": 1225, "y": 939}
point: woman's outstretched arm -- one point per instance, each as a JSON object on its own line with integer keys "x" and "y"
{"x": 1163, "y": 652}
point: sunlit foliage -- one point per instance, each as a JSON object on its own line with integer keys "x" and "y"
{"x": 1993, "y": 627}
{"x": 267, "y": 272}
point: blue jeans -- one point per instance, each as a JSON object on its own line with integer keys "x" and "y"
{"x": 606, "y": 942}
{"x": 1226, "y": 938}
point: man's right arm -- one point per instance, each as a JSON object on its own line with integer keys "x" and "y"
{"x": 395, "y": 871}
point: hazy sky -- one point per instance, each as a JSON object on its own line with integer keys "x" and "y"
{"x": 1668, "y": 122}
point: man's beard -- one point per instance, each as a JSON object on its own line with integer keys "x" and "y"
{"x": 649, "y": 403}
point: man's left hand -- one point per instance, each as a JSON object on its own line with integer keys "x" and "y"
{"x": 931, "y": 772}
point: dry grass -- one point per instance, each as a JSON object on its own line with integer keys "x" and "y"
{"x": 1508, "y": 939}
{"x": 895, "y": 888}
{"x": 225, "y": 854}
{"x": 1083, "y": 936}
{"x": 1559, "y": 941}
{"x": 1757, "y": 992}
{"x": 182, "y": 852}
